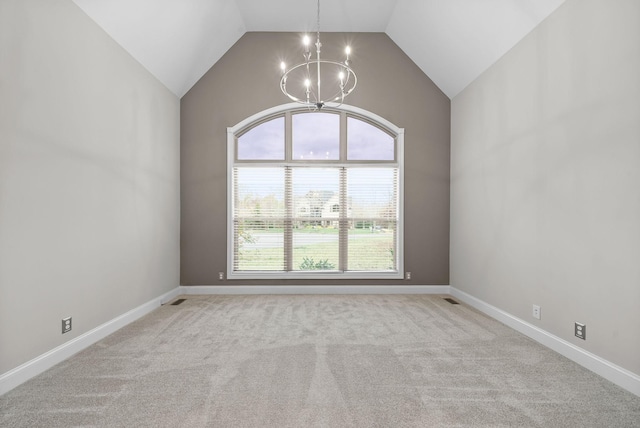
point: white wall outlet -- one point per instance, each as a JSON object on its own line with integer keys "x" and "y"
{"x": 536, "y": 312}
{"x": 580, "y": 331}
{"x": 66, "y": 325}
{"x": 221, "y": 276}
{"x": 408, "y": 275}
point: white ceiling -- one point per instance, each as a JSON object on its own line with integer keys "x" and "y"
{"x": 452, "y": 41}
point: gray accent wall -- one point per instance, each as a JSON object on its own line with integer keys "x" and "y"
{"x": 245, "y": 81}
{"x": 545, "y": 179}
{"x": 89, "y": 179}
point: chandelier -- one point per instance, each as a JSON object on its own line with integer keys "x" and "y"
{"x": 306, "y": 77}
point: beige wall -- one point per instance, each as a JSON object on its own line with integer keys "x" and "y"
{"x": 545, "y": 179}
{"x": 89, "y": 171}
{"x": 245, "y": 82}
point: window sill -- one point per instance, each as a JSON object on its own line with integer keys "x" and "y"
{"x": 315, "y": 275}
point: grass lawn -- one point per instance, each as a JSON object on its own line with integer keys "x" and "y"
{"x": 367, "y": 253}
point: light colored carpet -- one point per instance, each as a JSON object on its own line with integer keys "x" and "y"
{"x": 318, "y": 361}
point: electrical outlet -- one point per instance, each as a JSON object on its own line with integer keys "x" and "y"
{"x": 581, "y": 331}
{"x": 221, "y": 276}
{"x": 536, "y": 312}
{"x": 66, "y": 325}
{"x": 408, "y": 275}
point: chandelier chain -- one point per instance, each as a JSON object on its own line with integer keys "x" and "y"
{"x": 318, "y": 19}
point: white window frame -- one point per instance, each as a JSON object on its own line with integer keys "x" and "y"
{"x": 395, "y": 131}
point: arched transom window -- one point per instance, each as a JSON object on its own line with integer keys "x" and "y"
{"x": 315, "y": 195}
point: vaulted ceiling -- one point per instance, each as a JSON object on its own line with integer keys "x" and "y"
{"x": 452, "y": 41}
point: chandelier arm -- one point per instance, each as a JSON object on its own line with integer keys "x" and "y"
{"x": 313, "y": 101}
{"x": 312, "y": 97}
{"x": 346, "y": 80}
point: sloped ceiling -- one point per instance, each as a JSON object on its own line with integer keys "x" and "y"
{"x": 452, "y": 41}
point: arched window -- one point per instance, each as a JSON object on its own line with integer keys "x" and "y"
{"x": 315, "y": 195}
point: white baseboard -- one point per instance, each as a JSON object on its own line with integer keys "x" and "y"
{"x": 26, "y": 371}
{"x": 315, "y": 289}
{"x": 616, "y": 374}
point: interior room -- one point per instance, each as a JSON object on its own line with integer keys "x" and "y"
{"x": 514, "y": 131}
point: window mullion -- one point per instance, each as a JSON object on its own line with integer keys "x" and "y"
{"x": 343, "y": 223}
{"x": 288, "y": 221}
{"x": 343, "y": 136}
{"x": 395, "y": 219}
{"x": 288, "y": 137}
{"x": 288, "y": 195}
{"x": 236, "y": 223}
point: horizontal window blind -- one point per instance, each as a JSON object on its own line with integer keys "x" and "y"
{"x": 315, "y": 225}
{"x": 372, "y": 219}
{"x": 315, "y": 218}
{"x": 259, "y": 218}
